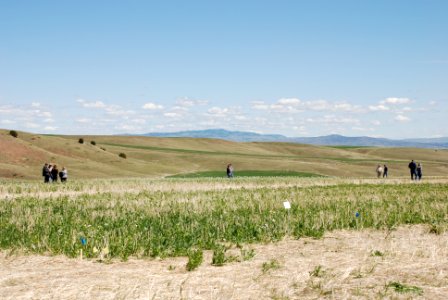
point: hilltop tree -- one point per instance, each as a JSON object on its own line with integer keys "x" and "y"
{"x": 81, "y": 141}
{"x": 13, "y": 133}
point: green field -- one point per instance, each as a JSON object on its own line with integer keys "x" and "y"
{"x": 170, "y": 217}
{"x": 246, "y": 173}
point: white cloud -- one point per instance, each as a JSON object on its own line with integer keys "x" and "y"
{"x": 179, "y": 108}
{"x": 128, "y": 127}
{"x": 218, "y": 112}
{"x": 376, "y": 122}
{"x": 282, "y": 108}
{"x": 96, "y": 104}
{"x": 379, "y": 107}
{"x": 172, "y": 115}
{"x": 31, "y": 125}
{"x": 116, "y": 110}
{"x": 49, "y": 120}
{"x": 186, "y": 102}
{"x": 35, "y": 104}
{"x": 402, "y": 118}
{"x": 295, "y": 105}
{"x": 331, "y": 119}
{"x": 396, "y": 101}
{"x": 152, "y": 106}
{"x": 83, "y": 120}
{"x": 5, "y": 109}
{"x": 318, "y": 105}
{"x": 301, "y": 129}
{"x": 363, "y": 129}
{"x": 50, "y": 128}
{"x": 259, "y": 105}
{"x": 112, "y": 109}
{"x": 347, "y": 107}
{"x": 7, "y": 122}
{"x": 240, "y": 118}
{"x": 139, "y": 121}
{"x": 289, "y": 101}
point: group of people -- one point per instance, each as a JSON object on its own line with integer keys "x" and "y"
{"x": 229, "y": 171}
{"x": 416, "y": 170}
{"x": 51, "y": 172}
{"x": 382, "y": 171}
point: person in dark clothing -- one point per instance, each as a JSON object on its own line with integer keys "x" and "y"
{"x": 419, "y": 171}
{"x": 385, "y": 169}
{"x": 412, "y": 167}
{"x": 54, "y": 173}
{"x": 229, "y": 171}
{"x": 46, "y": 173}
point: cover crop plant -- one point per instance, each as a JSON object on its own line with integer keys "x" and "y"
{"x": 172, "y": 217}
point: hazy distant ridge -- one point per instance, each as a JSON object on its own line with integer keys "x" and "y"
{"x": 329, "y": 140}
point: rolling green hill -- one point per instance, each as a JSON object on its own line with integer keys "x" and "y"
{"x": 23, "y": 157}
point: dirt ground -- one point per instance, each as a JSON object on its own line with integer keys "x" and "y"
{"x": 341, "y": 265}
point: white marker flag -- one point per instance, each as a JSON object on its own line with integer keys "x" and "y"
{"x": 286, "y": 205}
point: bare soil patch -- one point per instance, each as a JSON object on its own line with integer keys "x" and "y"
{"x": 341, "y": 265}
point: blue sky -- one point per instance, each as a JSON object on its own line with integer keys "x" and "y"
{"x": 298, "y": 68}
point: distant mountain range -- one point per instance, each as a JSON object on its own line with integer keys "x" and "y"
{"x": 327, "y": 140}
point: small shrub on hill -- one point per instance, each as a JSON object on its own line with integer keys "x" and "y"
{"x": 81, "y": 141}
{"x": 122, "y": 155}
{"x": 14, "y": 133}
{"x": 93, "y": 143}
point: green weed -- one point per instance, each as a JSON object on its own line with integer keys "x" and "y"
{"x": 195, "y": 258}
{"x": 377, "y": 253}
{"x": 318, "y": 271}
{"x": 402, "y": 288}
{"x": 247, "y": 254}
{"x": 273, "y": 264}
{"x": 219, "y": 255}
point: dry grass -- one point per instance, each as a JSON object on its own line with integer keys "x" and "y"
{"x": 14, "y": 189}
{"x": 344, "y": 261}
{"x": 24, "y": 156}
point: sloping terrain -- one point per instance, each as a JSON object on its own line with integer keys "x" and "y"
{"x": 24, "y": 156}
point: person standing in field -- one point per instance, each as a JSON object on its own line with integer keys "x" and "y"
{"x": 419, "y": 171}
{"x": 229, "y": 171}
{"x": 412, "y": 168}
{"x": 50, "y": 168}
{"x": 54, "y": 173}
{"x": 385, "y": 170}
{"x": 379, "y": 171}
{"x": 63, "y": 174}
{"x": 46, "y": 173}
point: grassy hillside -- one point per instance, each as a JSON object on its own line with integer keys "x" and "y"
{"x": 24, "y": 156}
